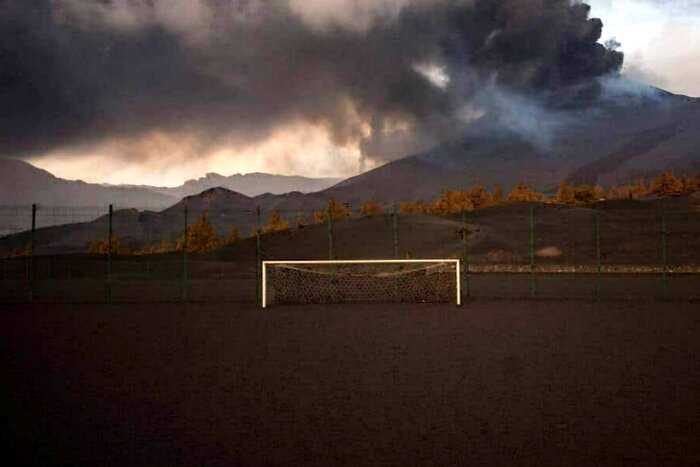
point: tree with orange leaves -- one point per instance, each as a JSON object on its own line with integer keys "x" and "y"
{"x": 417, "y": 207}
{"x": 565, "y": 194}
{"x": 452, "y": 202}
{"x": 201, "y": 237}
{"x": 370, "y": 209}
{"x": 275, "y": 223}
{"x": 480, "y": 197}
{"x": 522, "y": 193}
{"x": 666, "y": 184}
{"x": 584, "y": 194}
{"x": 691, "y": 185}
{"x": 338, "y": 211}
{"x": 102, "y": 247}
{"x": 232, "y": 237}
{"x": 638, "y": 189}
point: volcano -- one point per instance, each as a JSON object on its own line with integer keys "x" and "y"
{"x": 629, "y": 131}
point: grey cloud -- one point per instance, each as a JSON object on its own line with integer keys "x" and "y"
{"x": 77, "y": 72}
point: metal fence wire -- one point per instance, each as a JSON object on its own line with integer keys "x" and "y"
{"x": 606, "y": 251}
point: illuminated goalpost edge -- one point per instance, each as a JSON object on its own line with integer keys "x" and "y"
{"x": 456, "y": 262}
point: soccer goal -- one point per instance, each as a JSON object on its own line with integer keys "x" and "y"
{"x": 358, "y": 281}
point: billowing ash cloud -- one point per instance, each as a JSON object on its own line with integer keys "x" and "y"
{"x": 389, "y": 76}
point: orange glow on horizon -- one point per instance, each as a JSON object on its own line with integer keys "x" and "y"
{"x": 161, "y": 159}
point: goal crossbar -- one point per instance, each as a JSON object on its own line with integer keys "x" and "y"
{"x": 456, "y": 262}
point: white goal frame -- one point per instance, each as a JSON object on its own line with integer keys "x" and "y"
{"x": 456, "y": 262}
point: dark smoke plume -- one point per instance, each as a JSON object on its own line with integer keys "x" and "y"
{"x": 77, "y": 72}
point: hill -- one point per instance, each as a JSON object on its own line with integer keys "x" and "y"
{"x": 23, "y": 184}
{"x": 630, "y": 231}
{"x": 252, "y": 184}
{"x": 224, "y": 208}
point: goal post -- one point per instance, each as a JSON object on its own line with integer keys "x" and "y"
{"x": 361, "y": 281}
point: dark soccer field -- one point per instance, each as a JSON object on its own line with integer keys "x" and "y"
{"x": 492, "y": 383}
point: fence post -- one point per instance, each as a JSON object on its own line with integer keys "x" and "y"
{"x": 664, "y": 257}
{"x": 109, "y": 254}
{"x": 331, "y": 253}
{"x": 596, "y": 292}
{"x": 533, "y": 287}
{"x": 184, "y": 256}
{"x": 32, "y": 246}
{"x": 465, "y": 255}
{"x": 395, "y": 219}
{"x": 258, "y": 258}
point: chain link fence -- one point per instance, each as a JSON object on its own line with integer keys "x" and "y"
{"x": 609, "y": 251}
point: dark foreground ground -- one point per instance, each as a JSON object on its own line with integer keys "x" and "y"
{"x": 492, "y": 383}
{"x": 241, "y": 288}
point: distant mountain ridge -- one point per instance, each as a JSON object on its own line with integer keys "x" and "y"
{"x": 251, "y": 184}
{"x": 21, "y": 183}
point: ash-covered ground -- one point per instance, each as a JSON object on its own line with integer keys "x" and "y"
{"x": 491, "y": 383}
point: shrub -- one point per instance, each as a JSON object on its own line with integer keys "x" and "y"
{"x": 667, "y": 184}
{"x": 338, "y": 211}
{"x": 585, "y": 194}
{"x": 275, "y": 223}
{"x": 480, "y": 197}
{"x": 417, "y": 207}
{"x": 201, "y": 237}
{"x": 638, "y": 189}
{"x": 370, "y": 209}
{"x": 565, "y": 194}
{"x": 232, "y": 237}
{"x": 101, "y": 247}
{"x": 691, "y": 185}
{"x": 452, "y": 202}
{"x": 523, "y": 193}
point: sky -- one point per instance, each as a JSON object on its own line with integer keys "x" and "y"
{"x": 660, "y": 38}
{"x": 160, "y": 91}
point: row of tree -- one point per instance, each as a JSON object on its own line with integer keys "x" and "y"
{"x": 201, "y": 237}
{"x": 454, "y": 201}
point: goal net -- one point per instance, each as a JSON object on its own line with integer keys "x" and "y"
{"x": 358, "y": 281}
